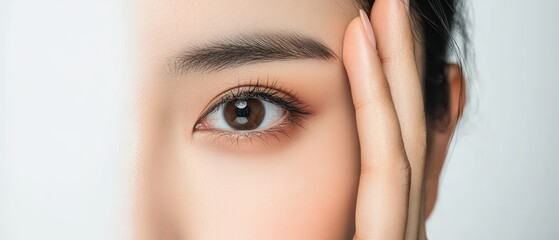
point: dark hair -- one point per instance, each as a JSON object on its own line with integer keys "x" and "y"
{"x": 436, "y": 21}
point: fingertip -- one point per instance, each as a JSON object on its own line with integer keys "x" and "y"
{"x": 366, "y": 23}
{"x": 358, "y": 45}
{"x": 351, "y": 40}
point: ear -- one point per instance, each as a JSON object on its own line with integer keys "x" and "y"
{"x": 440, "y": 133}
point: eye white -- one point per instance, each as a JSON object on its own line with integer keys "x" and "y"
{"x": 272, "y": 114}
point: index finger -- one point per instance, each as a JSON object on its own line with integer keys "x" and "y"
{"x": 382, "y": 200}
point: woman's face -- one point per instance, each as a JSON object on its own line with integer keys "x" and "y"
{"x": 247, "y": 123}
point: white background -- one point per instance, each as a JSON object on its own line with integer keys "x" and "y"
{"x": 64, "y": 111}
{"x": 501, "y": 181}
{"x": 62, "y": 168}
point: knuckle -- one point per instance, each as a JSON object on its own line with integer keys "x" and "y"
{"x": 378, "y": 98}
{"x": 394, "y": 164}
{"x": 385, "y": 58}
{"x": 363, "y": 104}
{"x": 404, "y": 169}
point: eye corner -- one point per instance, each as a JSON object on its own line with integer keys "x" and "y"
{"x": 200, "y": 126}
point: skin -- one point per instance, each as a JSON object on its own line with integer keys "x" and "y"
{"x": 355, "y": 169}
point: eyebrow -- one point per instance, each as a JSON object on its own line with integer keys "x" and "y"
{"x": 253, "y": 48}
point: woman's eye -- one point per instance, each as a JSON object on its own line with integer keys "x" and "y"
{"x": 250, "y": 115}
{"x": 243, "y": 115}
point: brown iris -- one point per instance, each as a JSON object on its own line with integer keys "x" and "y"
{"x": 244, "y": 114}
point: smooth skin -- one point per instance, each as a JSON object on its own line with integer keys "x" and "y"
{"x": 365, "y": 165}
{"x": 387, "y": 96}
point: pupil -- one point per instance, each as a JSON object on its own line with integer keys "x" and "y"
{"x": 244, "y": 114}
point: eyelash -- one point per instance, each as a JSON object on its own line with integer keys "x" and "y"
{"x": 267, "y": 91}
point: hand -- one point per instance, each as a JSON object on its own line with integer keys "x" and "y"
{"x": 387, "y": 96}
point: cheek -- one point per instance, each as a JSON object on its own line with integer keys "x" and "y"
{"x": 306, "y": 190}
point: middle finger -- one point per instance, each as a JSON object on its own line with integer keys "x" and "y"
{"x": 390, "y": 20}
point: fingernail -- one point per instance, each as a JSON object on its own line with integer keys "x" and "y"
{"x": 368, "y": 28}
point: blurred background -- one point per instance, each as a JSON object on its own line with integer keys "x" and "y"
{"x": 65, "y": 116}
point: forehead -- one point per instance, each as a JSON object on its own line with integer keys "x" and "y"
{"x": 171, "y": 25}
